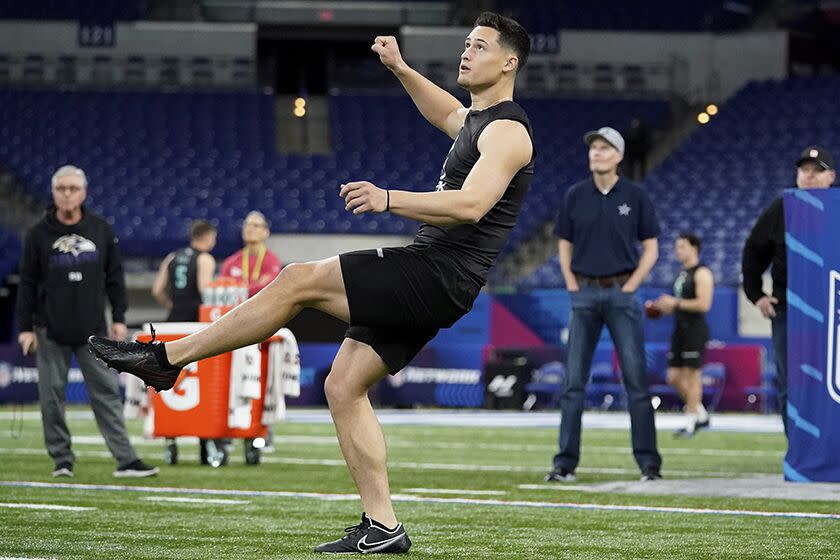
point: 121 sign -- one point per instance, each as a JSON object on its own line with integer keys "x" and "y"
{"x": 97, "y": 35}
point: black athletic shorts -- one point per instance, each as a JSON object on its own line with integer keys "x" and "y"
{"x": 688, "y": 344}
{"x": 400, "y": 297}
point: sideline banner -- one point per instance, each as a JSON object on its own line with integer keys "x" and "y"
{"x": 812, "y": 236}
{"x": 19, "y": 378}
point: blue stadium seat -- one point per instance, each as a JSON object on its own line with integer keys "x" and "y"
{"x": 169, "y": 157}
{"x": 720, "y": 179}
{"x": 212, "y": 155}
{"x": 10, "y": 251}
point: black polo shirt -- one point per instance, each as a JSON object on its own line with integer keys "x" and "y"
{"x": 605, "y": 229}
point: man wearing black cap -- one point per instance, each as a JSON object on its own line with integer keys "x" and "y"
{"x": 766, "y": 246}
{"x": 600, "y": 223}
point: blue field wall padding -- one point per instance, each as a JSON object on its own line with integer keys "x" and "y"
{"x": 811, "y": 219}
{"x": 546, "y": 312}
{"x": 472, "y": 328}
{"x": 19, "y": 378}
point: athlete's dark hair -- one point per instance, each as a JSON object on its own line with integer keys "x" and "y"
{"x": 692, "y": 239}
{"x": 511, "y": 34}
{"x": 200, "y": 228}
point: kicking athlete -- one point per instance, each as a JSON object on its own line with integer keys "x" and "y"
{"x": 394, "y": 299}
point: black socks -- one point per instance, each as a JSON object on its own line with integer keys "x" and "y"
{"x": 160, "y": 354}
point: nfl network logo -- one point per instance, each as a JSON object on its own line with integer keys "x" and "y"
{"x": 832, "y": 373}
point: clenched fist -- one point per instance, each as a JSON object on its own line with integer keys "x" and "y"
{"x": 389, "y": 52}
{"x": 362, "y": 196}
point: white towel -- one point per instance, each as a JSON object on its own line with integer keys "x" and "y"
{"x": 283, "y": 376}
{"x": 291, "y": 364}
{"x": 245, "y": 367}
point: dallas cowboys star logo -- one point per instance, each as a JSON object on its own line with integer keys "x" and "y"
{"x": 624, "y": 210}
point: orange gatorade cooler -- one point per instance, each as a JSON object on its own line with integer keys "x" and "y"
{"x": 198, "y": 403}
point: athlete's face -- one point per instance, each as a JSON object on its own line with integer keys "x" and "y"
{"x": 811, "y": 175}
{"x": 207, "y": 241}
{"x": 603, "y": 157}
{"x": 684, "y": 250}
{"x": 69, "y": 193}
{"x": 484, "y": 61}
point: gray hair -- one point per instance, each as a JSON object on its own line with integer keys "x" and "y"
{"x": 257, "y": 214}
{"x": 69, "y": 170}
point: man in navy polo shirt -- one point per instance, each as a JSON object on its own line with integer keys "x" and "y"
{"x": 601, "y": 221}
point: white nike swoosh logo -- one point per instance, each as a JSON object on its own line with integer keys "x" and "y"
{"x": 365, "y": 546}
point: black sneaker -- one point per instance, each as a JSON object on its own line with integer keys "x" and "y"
{"x": 704, "y": 423}
{"x": 562, "y": 475}
{"x": 650, "y": 474}
{"x": 368, "y": 537}
{"x": 146, "y": 360}
{"x": 137, "y": 469}
{"x": 63, "y": 469}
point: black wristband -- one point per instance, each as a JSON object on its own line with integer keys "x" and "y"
{"x": 387, "y": 200}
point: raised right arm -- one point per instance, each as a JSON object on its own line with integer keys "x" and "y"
{"x": 438, "y": 106}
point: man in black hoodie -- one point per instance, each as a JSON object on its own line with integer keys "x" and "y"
{"x": 70, "y": 260}
{"x": 766, "y": 246}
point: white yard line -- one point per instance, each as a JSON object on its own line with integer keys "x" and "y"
{"x": 497, "y": 468}
{"x": 196, "y": 500}
{"x": 454, "y": 491}
{"x": 425, "y": 499}
{"x": 395, "y": 442}
{"x": 666, "y": 421}
{"x": 479, "y": 467}
{"x": 45, "y": 506}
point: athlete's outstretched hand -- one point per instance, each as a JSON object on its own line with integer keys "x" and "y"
{"x": 389, "y": 52}
{"x": 362, "y": 196}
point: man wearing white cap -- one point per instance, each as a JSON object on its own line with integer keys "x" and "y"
{"x": 601, "y": 221}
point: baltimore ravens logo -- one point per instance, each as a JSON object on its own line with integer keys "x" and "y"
{"x": 74, "y": 244}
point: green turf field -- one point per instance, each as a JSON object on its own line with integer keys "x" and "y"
{"x": 441, "y": 463}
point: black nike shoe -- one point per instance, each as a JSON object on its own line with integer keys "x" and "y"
{"x": 146, "y": 360}
{"x": 368, "y": 537}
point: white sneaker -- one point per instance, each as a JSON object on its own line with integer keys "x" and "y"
{"x": 560, "y": 476}
{"x": 64, "y": 469}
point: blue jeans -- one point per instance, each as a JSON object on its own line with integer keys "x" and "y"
{"x": 592, "y": 307}
{"x": 779, "y": 329}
